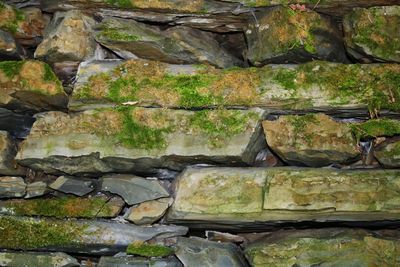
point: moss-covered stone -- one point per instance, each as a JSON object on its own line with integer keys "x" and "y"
{"x": 149, "y": 250}
{"x": 388, "y": 153}
{"x": 376, "y": 128}
{"x": 373, "y": 33}
{"x": 10, "y": 18}
{"x": 311, "y": 85}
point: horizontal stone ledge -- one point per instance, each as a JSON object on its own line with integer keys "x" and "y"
{"x": 78, "y": 236}
{"x": 35, "y": 259}
{"x": 326, "y": 247}
{"x": 141, "y": 140}
{"x": 242, "y": 196}
{"x": 311, "y": 86}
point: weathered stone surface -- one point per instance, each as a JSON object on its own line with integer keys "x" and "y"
{"x": 326, "y": 247}
{"x": 313, "y": 140}
{"x": 30, "y": 85}
{"x": 315, "y": 85}
{"x": 12, "y": 187}
{"x": 388, "y": 153}
{"x": 200, "y": 252}
{"x": 253, "y": 197}
{"x": 148, "y": 212}
{"x": 15, "y": 124}
{"x": 284, "y": 35}
{"x": 80, "y": 236}
{"x": 7, "y": 154}
{"x": 9, "y": 48}
{"x": 141, "y": 140}
{"x": 131, "y": 39}
{"x": 36, "y": 189}
{"x": 64, "y": 207}
{"x": 131, "y": 261}
{"x": 373, "y": 34}
{"x": 71, "y": 185}
{"x": 133, "y": 189}
{"x": 25, "y": 25}
{"x": 69, "y": 38}
{"x": 31, "y": 259}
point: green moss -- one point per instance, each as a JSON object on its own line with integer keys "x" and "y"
{"x": 122, "y": 90}
{"x": 11, "y": 68}
{"x": 136, "y": 135}
{"x": 118, "y": 35}
{"x": 120, "y": 3}
{"x": 286, "y": 78}
{"x": 376, "y": 128}
{"x": 12, "y": 25}
{"x": 149, "y": 250}
{"x": 35, "y": 234}
{"x": 299, "y": 124}
{"x": 49, "y": 75}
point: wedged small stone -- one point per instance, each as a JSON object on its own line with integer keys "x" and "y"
{"x": 12, "y": 187}
{"x": 79, "y": 236}
{"x": 64, "y": 207}
{"x": 69, "y": 38}
{"x": 388, "y": 153}
{"x": 179, "y": 45}
{"x": 311, "y": 86}
{"x": 30, "y": 86}
{"x": 195, "y": 251}
{"x": 373, "y": 34}
{"x": 17, "y": 125}
{"x": 71, "y": 185}
{"x": 26, "y": 25}
{"x": 133, "y": 189}
{"x": 9, "y": 48}
{"x": 36, "y": 189}
{"x": 36, "y": 259}
{"x": 148, "y": 212}
{"x": 133, "y": 261}
{"x": 284, "y": 35}
{"x": 8, "y": 150}
{"x": 141, "y": 140}
{"x": 313, "y": 140}
{"x": 326, "y": 247}
{"x": 223, "y": 237}
{"x": 256, "y": 197}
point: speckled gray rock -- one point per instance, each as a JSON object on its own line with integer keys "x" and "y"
{"x": 71, "y": 185}
{"x": 133, "y": 189}
{"x": 12, "y": 187}
{"x": 388, "y": 153}
{"x": 131, "y": 261}
{"x": 36, "y": 189}
{"x": 148, "y": 212}
{"x": 200, "y": 252}
{"x": 22, "y": 259}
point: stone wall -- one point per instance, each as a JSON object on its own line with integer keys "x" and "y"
{"x": 199, "y": 133}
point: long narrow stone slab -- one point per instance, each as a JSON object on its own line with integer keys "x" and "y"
{"x": 250, "y": 197}
{"x": 59, "y": 259}
{"x": 79, "y": 236}
{"x": 315, "y": 85}
{"x": 141, "y": 140}
{"x": 326, "y": 247}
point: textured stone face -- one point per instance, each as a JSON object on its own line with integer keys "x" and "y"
{"x": 148, "y": 212}
{"x": 58, "y": 259}
{"x": 325, "y": 247}
{"x": 388, "y": 153}
{"x": 284, "y": 35}
{"x": 69, "y": 38}
{"x": 373, "y": 34}
{"x": 12, "y": 187}
{"x": 220, "y": 195}
{"x": 7, "y": 154}
{"x": 312, "y": 140}
{"x": 9, "y": 48}
{"x": 141, "y": 140}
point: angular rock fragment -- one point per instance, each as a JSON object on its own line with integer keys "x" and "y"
{"x": 131, "y": 39}
{"x": 15, "y": 124}
{"x": 64, "y": 207}
{"x": 71, "y": 185}
{"x": 30, "y": 86}
{"x": 313, "y": 140}
{"x": 78, "y": 236}
{"x": 131, "y": 261}
{"x": 35, "y": 259}
{"x": 315, "y": 85}
{"x": 69, "y": 38}
{"x": 326, "y": 247}
{"x": 200, "y": 252}
{"x": 148, "y": 212}
{"x": 388, "y": 153}
{"x": 12, "y": 187}
{"x": 36, "y": 189}
{"x": 141, "y": 140}
{"x": 284, "y": 35}
{"x": 7, "y": 154}
{"x": 373, "y": 34}
{"x": 133, "y": 189}
{"x": 9, "y": 48}
{"x": 255, "y": 197}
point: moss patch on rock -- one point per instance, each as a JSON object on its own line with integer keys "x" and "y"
{"x": 149, "y": 250}
{"x": 10, "y": 18}
{"x": 376, "y": 128}
{"x": 194, "y": 6}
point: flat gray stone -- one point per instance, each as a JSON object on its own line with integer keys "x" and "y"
{"x": 71, "y": 185}
{"x": 36, "y": 189}
{"x": 11, "y": 187}
{"x": 31, "y": 259}
{"x": 131, "y": 261}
